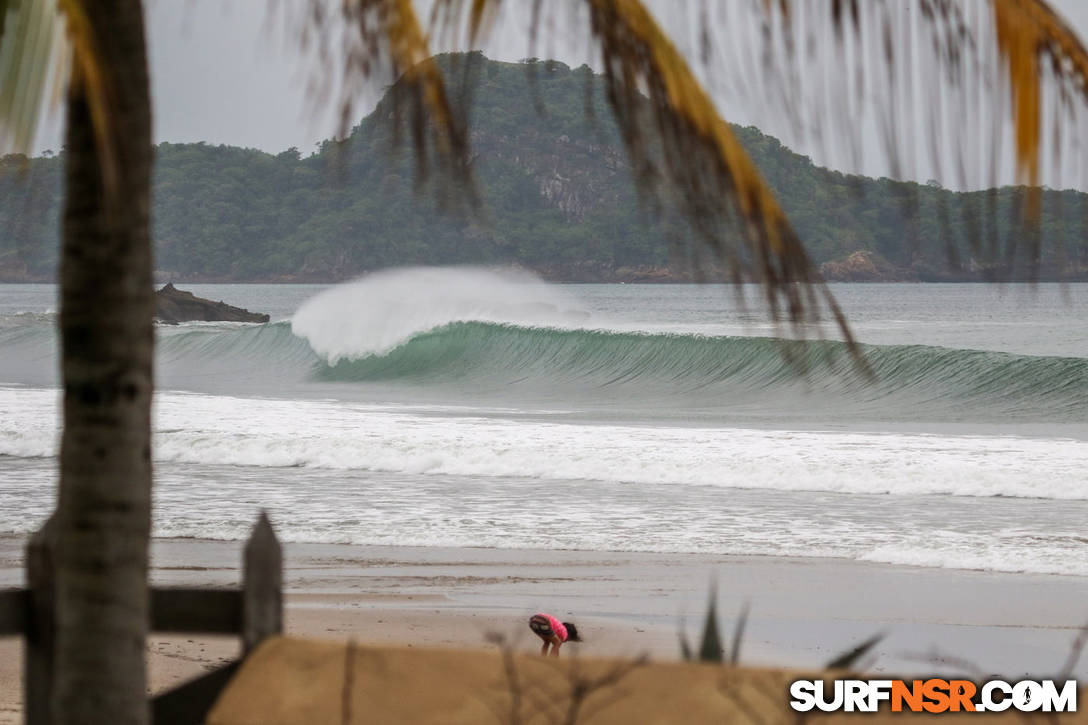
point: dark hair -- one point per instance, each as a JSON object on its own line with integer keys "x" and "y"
{"x": 572, "y": 632}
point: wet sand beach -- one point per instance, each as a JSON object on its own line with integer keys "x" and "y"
{"x": 803, "y": 611}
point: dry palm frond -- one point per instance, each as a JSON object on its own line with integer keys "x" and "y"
{"x": 953, "y": 66}
{"x": 480, "y": 16}
{"x": 701, "y": 163}
{"x": 1028, "y": 32}
{"x": 916, "y": 52}
{"x": 679, "y": 144}
{"x": 967, "y": 93}
{"x": 43, "y": 44}
{"x": 959, "y": 68}
{"x": 413, "y": 64}
{"x": 28, "y": 45}
{"x": 1016, "y": 57}
{"x": 90, "y": 77}
{"x": 385, "y": 38}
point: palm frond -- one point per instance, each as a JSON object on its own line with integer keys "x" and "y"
{"x": 1028, "y": 32}
{"x": 905, "y": 51}
{"x": 948, "y": 64}
{"x": 416, "y": 68}
{"x": 28, "y": 45}
{"x": 47, "y": 44}
{"x": 385, "y": 39}
{"x": 90, "y": 77}
{"x": 939, "y": 82}
{"x": 658, "y": 101}
{"x": 701, "y": 162}
{"x": 449, "y": 15}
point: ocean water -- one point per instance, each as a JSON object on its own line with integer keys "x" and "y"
{"x": 466, "y": 407}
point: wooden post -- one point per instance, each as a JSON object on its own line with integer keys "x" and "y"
{"x": 262, "y": 585}
{"x": 38, "y": 645}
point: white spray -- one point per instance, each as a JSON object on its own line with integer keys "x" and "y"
{"x": 373, "y": 315}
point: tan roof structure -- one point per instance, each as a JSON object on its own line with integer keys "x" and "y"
{"x": 305, "y": 682}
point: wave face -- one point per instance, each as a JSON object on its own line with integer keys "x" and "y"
{"x": 480, "y": 332}
{"x": 234, "y": 357}
{"x": 724, "y": 370}
{"x": 203, "y": 357}
{"x": 675, "y": 372}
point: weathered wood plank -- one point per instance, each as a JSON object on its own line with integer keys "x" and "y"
{"x": 189, "y": 703}
{"x": 255, "y": 612}
{"x": 40, "y": 630}
{"x": 208, "y": 611}
{"x": 13, "y": 604}
{"x": 262, "y": 585}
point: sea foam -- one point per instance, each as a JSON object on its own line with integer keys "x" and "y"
{"x": 267, "y": 433}
{"x": 373, "y": 315}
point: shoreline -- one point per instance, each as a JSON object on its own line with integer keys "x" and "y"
{"x": 803, "y": 612}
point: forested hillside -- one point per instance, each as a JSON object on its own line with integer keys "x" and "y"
{"x": 556, "y": 195}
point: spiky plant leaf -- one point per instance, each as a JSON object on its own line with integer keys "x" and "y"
{"x": 710, "y": 646}
{"x": 685, "y": 648}
{"x": 849, "y": 657}
{"x": 738, "y": 634}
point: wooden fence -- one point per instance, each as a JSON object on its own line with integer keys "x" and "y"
{"x": 253, "y": 612}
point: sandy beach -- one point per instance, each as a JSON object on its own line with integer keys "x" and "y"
{"x": 803, "y": 611}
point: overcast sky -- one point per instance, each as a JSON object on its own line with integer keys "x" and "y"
{"x": 231, "y": 73}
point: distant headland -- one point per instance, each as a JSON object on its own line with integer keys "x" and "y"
{"x": 557, "y": 197}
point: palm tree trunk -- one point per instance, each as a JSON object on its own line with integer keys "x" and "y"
{"x": 106, "y": 364}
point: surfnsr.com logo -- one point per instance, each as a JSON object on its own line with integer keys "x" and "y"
{"x": 933, "y": 695}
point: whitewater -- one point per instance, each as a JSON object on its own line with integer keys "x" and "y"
{"x": 441, "y": 406}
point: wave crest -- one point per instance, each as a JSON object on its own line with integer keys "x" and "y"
{"x": 375, "y": 314}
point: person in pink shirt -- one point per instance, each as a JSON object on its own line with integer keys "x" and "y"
{"x": 553, "y": 632}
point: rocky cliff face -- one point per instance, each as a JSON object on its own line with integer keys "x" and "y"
{"x": 865, "y": 266}
{"x": 574, "y": 176}
{"x": 577, "y": 176}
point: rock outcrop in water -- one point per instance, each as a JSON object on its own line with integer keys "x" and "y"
{"x": 174, "y": 306}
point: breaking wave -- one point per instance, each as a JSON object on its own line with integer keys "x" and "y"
{"x": 475, "y": 332}
{"x": 720, "y": 368}
{"x": 631, "y": 366}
